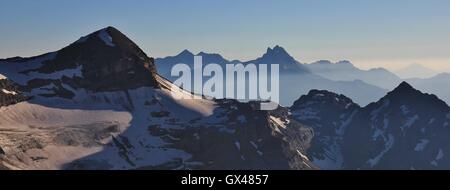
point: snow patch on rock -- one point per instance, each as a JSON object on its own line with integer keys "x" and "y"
{"x": 105, "y": 37}
{"x": 9, "y": 92}
{"x": 421, "y": 145}
{"x": 389, "y": 143}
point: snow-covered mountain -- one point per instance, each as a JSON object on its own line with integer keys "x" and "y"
{"x": 346, "y": 71}
{"x": 99, "y": 104}
{"x": 328, "y": 114}
{"x": 406, "y": 129}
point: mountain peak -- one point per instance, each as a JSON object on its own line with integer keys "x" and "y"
{"x": 323, "y": 62}
{"x": 108, "y": 37}
{"x": 202, "y": 53}
{"x": 323, "y": 98}
{"x": 278, "y": 53}
{"x": 405, "y": 93}
{"x": 344, "y": 62}
{"x": 185, "y": 53}
{"x": 404, "y": 90}
{"x": 404, "y": 86}
{"x": 277, "y": 50}
{"x": 108, "y": 60}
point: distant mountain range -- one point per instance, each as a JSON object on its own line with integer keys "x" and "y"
{"x": 363, "y": 86}
{"x": 101, "y": 103}
{"x": 345, "y": 71}
{"x": 295, "y": 77}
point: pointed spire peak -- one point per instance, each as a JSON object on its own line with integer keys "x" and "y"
{"x": 404, "y": 88}
{"x": 185, "y": 53}
{"x": 404, "y": 85}
{"x": 109, "y": 36}
{"x": 110, "y": 30}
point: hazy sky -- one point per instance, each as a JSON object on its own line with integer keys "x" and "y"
{"x": 370, "y": 33}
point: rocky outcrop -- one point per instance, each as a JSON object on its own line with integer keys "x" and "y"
{"x": 406, "y": 129}
{"x": 9, "y": 93}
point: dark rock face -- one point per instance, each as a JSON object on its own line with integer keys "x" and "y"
{"x": 108, "y": 61}
{"x": 2, "y": 152}
{"x": 406, "y": 129}
{"x": 328, "y": 114}
{"x": 9, "y": 93}
{"x": 237, "y": 137}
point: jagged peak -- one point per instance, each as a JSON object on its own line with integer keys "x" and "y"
{"x": 279, "y": 53}
{"x": 276, "y": 50}
{"x": 277, "y": 47}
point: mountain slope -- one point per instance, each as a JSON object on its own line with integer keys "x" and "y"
{"x": 436, "y": 85}
{"x": 328, "y": 114}
{"x": 406, "y": 129}
{"x": 99, "y": 104}
{"x": 405, "y": 125}
{"x": 9, "y": 92}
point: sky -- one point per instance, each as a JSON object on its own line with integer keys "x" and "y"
{"x": 370, "y": 33}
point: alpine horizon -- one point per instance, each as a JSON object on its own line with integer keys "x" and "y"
{"x": 259, "y": 81}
